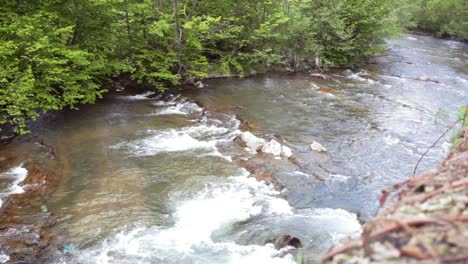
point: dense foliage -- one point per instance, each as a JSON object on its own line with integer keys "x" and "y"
{"x": 440, "y": 17}
{"x": 56, "y": 54}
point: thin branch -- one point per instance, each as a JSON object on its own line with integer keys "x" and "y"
{"x": 391, "y": 228}
{"x": 433, "y": 145}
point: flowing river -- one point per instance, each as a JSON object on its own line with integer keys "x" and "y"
{"x": 144, "y": 181}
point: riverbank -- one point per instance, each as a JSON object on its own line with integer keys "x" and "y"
{"x": 438, "y": 36}
{"x": 425, "y": 219}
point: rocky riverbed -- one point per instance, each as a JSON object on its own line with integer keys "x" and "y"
{"x": 239, "y": 171}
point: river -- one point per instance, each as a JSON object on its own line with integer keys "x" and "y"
{"x": 144, "y": 181}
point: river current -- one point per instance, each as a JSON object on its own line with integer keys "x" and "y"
{"x": 146, "y": 181}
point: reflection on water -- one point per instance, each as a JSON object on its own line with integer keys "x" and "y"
{"x": 151, "y": 182}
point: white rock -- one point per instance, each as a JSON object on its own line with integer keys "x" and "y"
{"x": 314, "y": 86}
{"x": 286, "y": 151}
{"x": 253, "y": 142}
{"x": 251, "y": 151}
{"x": 273, "y": 147}
{"x": 199, "y": 84}
{"x": 317, "y": 147}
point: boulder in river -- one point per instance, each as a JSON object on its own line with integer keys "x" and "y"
{"x": 273, "y": 147}
{"x": 315, "y": 146}
{"x": 287, "y": 240}
{"x": 286, "y": 151}
{"x": 253, "y": 142}
{"x": 199, "y": 84}
{"x": 240, "y": 142}
{"x": 250, "y": 141}
{"x": 276, "y": 149}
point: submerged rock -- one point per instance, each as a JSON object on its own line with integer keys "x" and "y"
{"x": 281, "y": 138}
{"x": 269, "y": 179}
{"x": 328, "y": 90}
{"x": 25, "y": 239}
{"x": 287, "y": 240}
{"x": 246, "y": 126}
{"x": 240, "y": 142}
{"x": 320, "y": 76}
{"x": 295, "y": 160}
{"x": 315, "y": 146}
{"x": 426, "y": 79}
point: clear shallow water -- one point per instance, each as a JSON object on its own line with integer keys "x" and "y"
{"x": 149, "y": 182}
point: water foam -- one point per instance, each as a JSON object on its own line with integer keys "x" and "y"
{"x": 171, "y": 140}
{"x": 143, "y": 96}
{"x": 219, "y": 206}
{"x": 391, "y": 140}
{"x": 17, "y": 174}
{"x": 202, "y": 138}
{"x": 171, "y": 110}
{"x": 4, "y": 258}
{"x": 179, "y": 108}
{"x": 339, "y": 223}
{"x": 196, "y": 218}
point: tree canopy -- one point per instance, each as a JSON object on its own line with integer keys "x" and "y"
{"x": 446, "y": 18}
{"x": 57, "y": 54}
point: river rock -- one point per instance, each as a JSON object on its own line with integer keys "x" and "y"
{"x": 317, "y": 147}
{"x": 287, "y": 240}
{"x": 269, "y": 179}
{"x": 240, "y": 141}
{"x": 246, "y": 126}
{"x": 295, "y": 160}
{"x": 319, "y": 75}
{"x": 251, "y": 165}
{"x": 286, "y": 151}
{"x": 281, "y": 138}
{"x": 199, "y": 84}
{"x": 252, "y": 141}
{"x": 273, "y": 147}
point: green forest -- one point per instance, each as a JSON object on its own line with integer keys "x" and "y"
{"x": 58, "y": 54}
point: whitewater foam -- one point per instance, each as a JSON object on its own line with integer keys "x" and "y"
{"x": 179, "y": 108}
{"x": 17, "y": 174}
{"x": 143, "y": 96}
{"x": 219, "y": 206}
{"x": 165, "y": 141}
{"x": 202, "y": 137}
{"x": 391, "y": 140}
{"x": 4, "y": 258}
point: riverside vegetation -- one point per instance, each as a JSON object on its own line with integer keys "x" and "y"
{"x": 57, "y": 54}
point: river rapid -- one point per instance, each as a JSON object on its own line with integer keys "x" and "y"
{"x": 147, "y": 181}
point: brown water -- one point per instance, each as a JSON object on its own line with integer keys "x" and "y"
{"x": 147, "y": 182}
